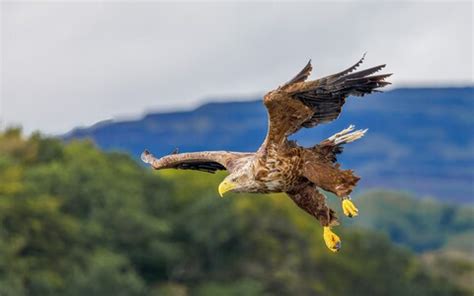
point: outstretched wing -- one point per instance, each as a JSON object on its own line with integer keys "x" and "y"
{"x": 300, "y": 103}
{"x": 208, "y": 161}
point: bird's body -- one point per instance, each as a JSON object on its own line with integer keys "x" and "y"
{"x": 281, "y": 165}
{"x": 273, "y": 170}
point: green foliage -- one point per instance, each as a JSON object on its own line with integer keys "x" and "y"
{"x": 452, "y": 266}
{"x": 77, "y": 221}
{"x": 105, "y": 273}
{"x": 235, "y": 288}
{"x": 420, "y": 224}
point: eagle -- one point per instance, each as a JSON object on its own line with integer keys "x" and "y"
{"x": 280, "y": 164}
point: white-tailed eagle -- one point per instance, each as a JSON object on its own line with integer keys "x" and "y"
{"x": 280, "y": 165}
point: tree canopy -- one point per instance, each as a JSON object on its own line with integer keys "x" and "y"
{"x": 78, "y": 221}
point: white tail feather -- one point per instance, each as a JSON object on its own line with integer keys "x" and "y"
{"x": 347, "y": 135}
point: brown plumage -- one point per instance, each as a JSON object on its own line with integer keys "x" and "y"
{"x": 281, "y": 165}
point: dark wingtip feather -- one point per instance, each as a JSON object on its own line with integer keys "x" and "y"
{"x": 350, "y": 69}
{"x": 363, "y": 73}
{"x": 302, "y": 75}
{"x": 378, "y": 77}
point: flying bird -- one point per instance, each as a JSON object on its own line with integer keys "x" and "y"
{"x": 281, "y": 165}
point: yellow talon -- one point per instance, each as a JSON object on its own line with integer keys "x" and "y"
{"x": 349, "y": 208}
{"x": 333, "y": 242}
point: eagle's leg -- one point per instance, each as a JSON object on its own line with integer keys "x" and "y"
{"x": 346, "y": 181}
{"x": 333, "y": 242}
{"x": 348, "y": 207}
{"x": 308, "y": 198}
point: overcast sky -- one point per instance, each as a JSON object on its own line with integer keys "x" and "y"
{"x": 66, "y": 65}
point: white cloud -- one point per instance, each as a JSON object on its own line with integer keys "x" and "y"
{"x": 69, "y": 64}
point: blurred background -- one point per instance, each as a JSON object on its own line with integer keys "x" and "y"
{"x": 87, "y": 86}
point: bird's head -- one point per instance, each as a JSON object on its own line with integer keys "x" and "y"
{"x": 238, "y": 181}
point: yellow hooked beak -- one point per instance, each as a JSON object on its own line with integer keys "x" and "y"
{"x": 226, "y": 186}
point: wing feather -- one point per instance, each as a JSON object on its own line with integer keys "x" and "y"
{"x": 350, "y": 69}
{"x": 302, "y": 103}
{"x": 301, "y": 76}
{"x": 207, "y": 161}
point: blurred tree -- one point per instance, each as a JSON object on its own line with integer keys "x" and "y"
{"x": 78, "y": 221}
{"x": 421, "y": 224}
{"x": 106, "y": 273}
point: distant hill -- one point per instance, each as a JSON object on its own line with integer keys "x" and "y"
{"x": 421, "y": 224}
{"x": 420, "y": 139}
